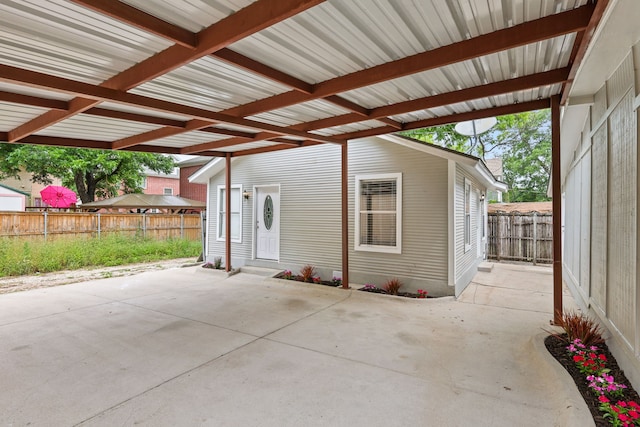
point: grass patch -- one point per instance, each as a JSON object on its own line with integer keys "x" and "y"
{"x": 21, "y": 257}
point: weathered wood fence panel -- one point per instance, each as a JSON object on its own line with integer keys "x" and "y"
{"x": 74, "y": 224}
{"x": 520, "y": 237}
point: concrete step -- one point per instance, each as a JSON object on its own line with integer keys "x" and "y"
{"x": 486, "y": 267}
{"x": 259, "y": 271}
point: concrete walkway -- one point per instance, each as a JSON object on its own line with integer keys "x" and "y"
{"x": 190, "y": 347}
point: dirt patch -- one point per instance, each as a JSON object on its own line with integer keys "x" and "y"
{"x": 36, "y": 281}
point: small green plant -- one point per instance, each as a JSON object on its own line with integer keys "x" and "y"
{"x": 287, "y": 274}
{"x": 337, "y": 281}
{"x": 578, "y": 326}
{"x": 392, "y": 286}
{"x": 217, "y": 263}
{"x": 307, "y": 273}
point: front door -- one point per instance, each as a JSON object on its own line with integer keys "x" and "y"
{"x": 267, "y": 222}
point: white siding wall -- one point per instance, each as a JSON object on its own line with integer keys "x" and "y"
{"x": 309, "y": 182}
{"x": 466, "y": 262}
{"x": 609, "y": 283}
{"x": 424, "y": 222}
{"x": 310, "y": 232}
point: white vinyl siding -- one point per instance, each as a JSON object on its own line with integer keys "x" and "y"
{"x": 378, "y": 218}
{"x": 466, "y": 258}
{"x": 309, "y": 181}
{"x": 236, "y": 213}
{"x": 310, "y": 213}
{"x": 467, "y": 214}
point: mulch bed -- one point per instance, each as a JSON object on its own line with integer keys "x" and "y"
{"x": 400, "y": 294}
{"x": 299, "y": 279}
{"x": 557, "y": 346}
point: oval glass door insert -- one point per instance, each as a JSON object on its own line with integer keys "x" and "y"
{"x": 268, "y": 212}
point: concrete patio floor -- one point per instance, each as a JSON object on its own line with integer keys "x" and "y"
{"x": 190, "y": 347}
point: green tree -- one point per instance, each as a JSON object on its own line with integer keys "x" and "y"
{"x": 527, "y": 161}
{"x": 91, "y": 173}
{"x": 522, "y": 140}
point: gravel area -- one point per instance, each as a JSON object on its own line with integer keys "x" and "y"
{"x": 25, "y": 283}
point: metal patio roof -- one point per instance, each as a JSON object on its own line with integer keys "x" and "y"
{"x": 212, "y": 77}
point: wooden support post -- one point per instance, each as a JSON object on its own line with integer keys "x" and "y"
{"x": 557, "y": 208}
{"x": 345, "y": 217}
{"x": 227, "y": 213}
{"x": 535, "y": 237}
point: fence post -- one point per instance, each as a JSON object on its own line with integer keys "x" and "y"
{"x": 99, "y": 229}
{"x": 144, "y": 225}
{"x": 535, "y": 237}
{"x": 46, "y": 220}
{"x": 498, "y": 241}
{"x": 182, "y": 226}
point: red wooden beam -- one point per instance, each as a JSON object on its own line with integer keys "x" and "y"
{"x": 100, "y": 93}
{"x": 268, "y": 149}
{"x": 157, "y": 134}
{"x": 556, "y": 198}
{"x": 452, "y": 118}
{"x": 18, "y": 98}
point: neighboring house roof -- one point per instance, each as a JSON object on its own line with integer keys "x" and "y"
{"x": 523, "y": 207}
{"x": 193, "y": 161}
{"x": 474, "y": 165}
{"x": 24, "y": 193}
{"x": 145, "y": 201}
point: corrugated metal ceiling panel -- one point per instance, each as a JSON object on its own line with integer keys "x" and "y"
{"x": 99, "y": 128}
{"x": 187, "y": 139}
{"x": 63, "y": 39}
{"x": 305, "y": 112}
{"x": 525, "y": 60}
{"x": 137, "y": 110}
{"x": 32, "y": 91}
{"x": 248, "y": 146}
{"x": 13, "y": 115}
{"x": 210, "y": 84}
{"x": 359, "y": 34}
{"x": 193, "y": 15}
{"x": 353, "y": 127}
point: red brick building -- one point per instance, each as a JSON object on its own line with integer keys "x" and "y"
{"x": 187, "y": 168}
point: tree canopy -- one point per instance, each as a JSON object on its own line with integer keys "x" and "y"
{"x": 91, "y": 173}
{"x": 522, "y": 140}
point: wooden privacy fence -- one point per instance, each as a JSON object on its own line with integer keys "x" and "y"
{"x": 520, "y": 237}
{"x": 74, "y": 224}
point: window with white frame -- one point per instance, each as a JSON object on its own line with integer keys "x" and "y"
{"x": 236, "y": 213}
{"x": 467, "y": 214}
{"x": 378, "y": 213}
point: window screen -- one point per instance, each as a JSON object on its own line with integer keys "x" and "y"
{"x": 378, "y": 213}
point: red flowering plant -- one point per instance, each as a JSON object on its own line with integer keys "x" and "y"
{"x": 587, "y": 359}
{"x": 621, "y": 413}
{"x": 422, "y": 293}
{"x": 591, "y": 361}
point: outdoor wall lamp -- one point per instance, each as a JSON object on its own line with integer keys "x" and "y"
{"x": 246, "y": 194}
{"x": 482, "y": 197}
